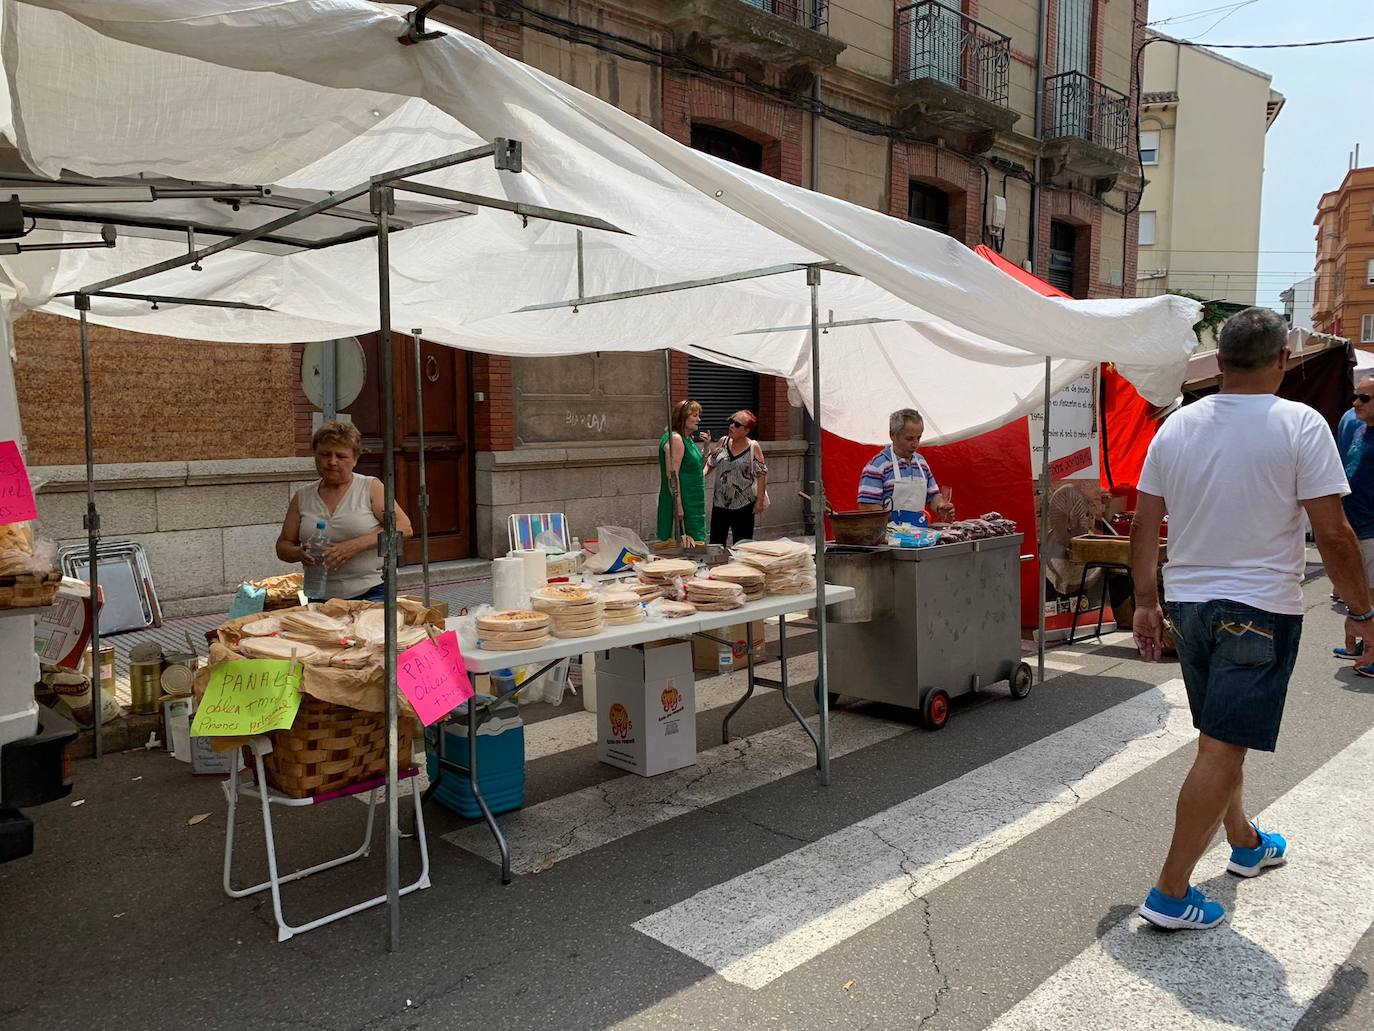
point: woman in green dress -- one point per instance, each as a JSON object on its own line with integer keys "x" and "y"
{"x": 682, "y": 481}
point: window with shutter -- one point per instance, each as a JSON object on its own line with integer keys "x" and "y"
{"x": 721, "y": 391}
{"x": 1063, "y": 256}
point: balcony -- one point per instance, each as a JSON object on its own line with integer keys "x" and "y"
{"x": 747, "y": 35}
{"x": 952, "y": 74}
{"x": 1088, "y": 129}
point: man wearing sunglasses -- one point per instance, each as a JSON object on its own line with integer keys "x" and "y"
{"x": 1235, "y": 471}
{"x": 1357, "y": 451}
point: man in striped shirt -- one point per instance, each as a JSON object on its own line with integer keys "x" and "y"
{"x": 899, "y": 476}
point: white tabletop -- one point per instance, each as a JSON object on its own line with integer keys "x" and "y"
{"x": 480, "y": 660}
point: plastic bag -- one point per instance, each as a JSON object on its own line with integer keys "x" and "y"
{"x": 550, "y": 541}
{"x": 618, "y": 549}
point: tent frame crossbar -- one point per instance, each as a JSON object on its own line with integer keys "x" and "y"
{"x": 506, "y": 153}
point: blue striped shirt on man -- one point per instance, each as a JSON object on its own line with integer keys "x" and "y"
{"x": 875, "y": 484}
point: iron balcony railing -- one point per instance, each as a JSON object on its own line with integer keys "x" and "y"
{"x": 937, "y": 41}
{"x": 1078, "y": 105}
{"x": 810, "y": 14}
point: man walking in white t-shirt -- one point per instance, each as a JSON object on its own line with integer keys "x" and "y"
{"x": 1234, "y": 471}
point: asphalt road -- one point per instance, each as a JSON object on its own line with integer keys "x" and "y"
{"x": 983, "y": 876}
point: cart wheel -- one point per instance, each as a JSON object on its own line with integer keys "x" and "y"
{"x": 935, "y": 710}
{"x": 832, "y": 698}
{"x": 1021, "y": 682}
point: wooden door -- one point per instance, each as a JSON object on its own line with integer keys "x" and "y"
{"x": 448, "y": 451}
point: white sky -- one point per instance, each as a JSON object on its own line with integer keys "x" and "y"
{"x": 1330, "y": 108}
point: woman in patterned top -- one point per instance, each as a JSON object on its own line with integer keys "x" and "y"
{"x": 741, "y": 489}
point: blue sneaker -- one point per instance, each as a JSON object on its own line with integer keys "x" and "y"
{"x": 1272, "y": 850}
{"x": 1195, "y": 911}
{"x": 1344, "y": 653}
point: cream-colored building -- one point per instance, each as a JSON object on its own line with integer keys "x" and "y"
{"x": 1203, "y": 119}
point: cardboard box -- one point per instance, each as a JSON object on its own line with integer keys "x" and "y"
{"x": 646, "y": 709}
{"x": 706, "y": 654}
{"x": 62, "y": 633}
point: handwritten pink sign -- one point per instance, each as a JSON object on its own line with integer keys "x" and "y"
{"x": 16, "y": 495}
{"x": 432, "y": 676}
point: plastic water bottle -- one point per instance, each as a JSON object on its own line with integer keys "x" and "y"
{"x": 726, "y": 660}
{"x": 315, "y": 546}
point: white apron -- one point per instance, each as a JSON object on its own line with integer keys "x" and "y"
{"x": 908, "y": 495}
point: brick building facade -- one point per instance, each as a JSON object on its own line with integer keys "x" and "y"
{"x": 936, "y": 112}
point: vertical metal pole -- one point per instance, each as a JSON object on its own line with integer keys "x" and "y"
{"x": 423, "y": 500}
{"x": 813, "y": 280}
{"x": 91, "y": 522}
{"x": 382, "y": 203}
{"x": 1044, "y": 523}
{"x": 581, "y": 269}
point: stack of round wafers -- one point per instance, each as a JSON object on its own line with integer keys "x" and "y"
{"x": 673, "y": 609}
{"x": 661, "y": 572}
{"x": 646, "y": 592}
{"x": 314, "y": 627}
{"x": 513, "y": 631}
{"x": 575, "y": 611}
{"x": 264, "y": 626}
{"x": 623, "y": 606}
{"x": 370, "y": 625}
{"x": 749, "y": 578}
{"x": 280, "y": 648}
{"x": 788, "y": 567}
{"x": 714, "y": 595}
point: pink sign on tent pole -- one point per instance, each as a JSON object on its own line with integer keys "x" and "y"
{"x": 16, "y": 494}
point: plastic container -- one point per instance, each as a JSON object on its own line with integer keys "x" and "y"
{"x": 500, "y": 761}
{"x": 315, "y": 575}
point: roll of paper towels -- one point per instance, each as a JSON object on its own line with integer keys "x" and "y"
{"x": 508, "y": 583}
{"x": 536, "y": 568}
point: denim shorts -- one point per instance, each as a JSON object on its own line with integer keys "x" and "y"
{"x": 1236, "y": 663}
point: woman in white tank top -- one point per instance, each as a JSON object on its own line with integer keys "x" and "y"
{"x": 350, "y": 506}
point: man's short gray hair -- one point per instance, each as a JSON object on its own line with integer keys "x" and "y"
{"x": 898, "y": 419}
{"x": 1251, "y": 339}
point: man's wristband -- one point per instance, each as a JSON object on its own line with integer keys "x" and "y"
{"x": 1362, "y": 618}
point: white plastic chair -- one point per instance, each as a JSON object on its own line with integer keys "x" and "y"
{"x": 233, "y": 786}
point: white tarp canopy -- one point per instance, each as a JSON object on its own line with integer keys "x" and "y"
{"x": 317, "y": 95}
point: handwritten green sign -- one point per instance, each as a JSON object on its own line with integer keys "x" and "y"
{"x": 247, "y": 697}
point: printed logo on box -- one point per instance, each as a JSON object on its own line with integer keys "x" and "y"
{"x": 620, "y": 721}
{"x": 671, "y": 699}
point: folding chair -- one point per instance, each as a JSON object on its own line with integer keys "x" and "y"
{"x": 525, "y": 529}
{"x": 260, "y": 746}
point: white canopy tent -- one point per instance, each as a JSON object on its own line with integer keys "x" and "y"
{"x": 301, "y": 96}
{"x": 656, "y": 245}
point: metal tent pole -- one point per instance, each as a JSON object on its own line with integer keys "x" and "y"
{"x": 91, "y": 522}
{"x": 382, "y": 203}
{"x": 422, "y": 502}
{"x": 1044, "y": 523}
{"x": 813, "y": 280}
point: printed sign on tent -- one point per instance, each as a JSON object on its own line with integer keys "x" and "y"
{"x": 1073, "y": 431}
{"x": 249, "y": 696}
{"x": 16, "y": 493}
{"x": 433, "y": 677}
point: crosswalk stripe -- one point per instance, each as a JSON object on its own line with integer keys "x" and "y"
{"x": 756, "y": 927}
{"x": 574, "y": 823}
{"x": 1288, "y": 931}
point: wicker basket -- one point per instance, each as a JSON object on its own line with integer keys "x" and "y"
{"x": 29, "y": 590}
{"x": 330, "y": 747}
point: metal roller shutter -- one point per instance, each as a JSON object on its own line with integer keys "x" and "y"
{"x": 721, "y": 391}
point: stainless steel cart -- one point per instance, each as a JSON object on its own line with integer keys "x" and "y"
{"x": 927, "y": 624}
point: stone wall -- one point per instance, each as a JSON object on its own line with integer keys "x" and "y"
{"x": 608, "y": 485}
{"x": 204, "y": 526}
